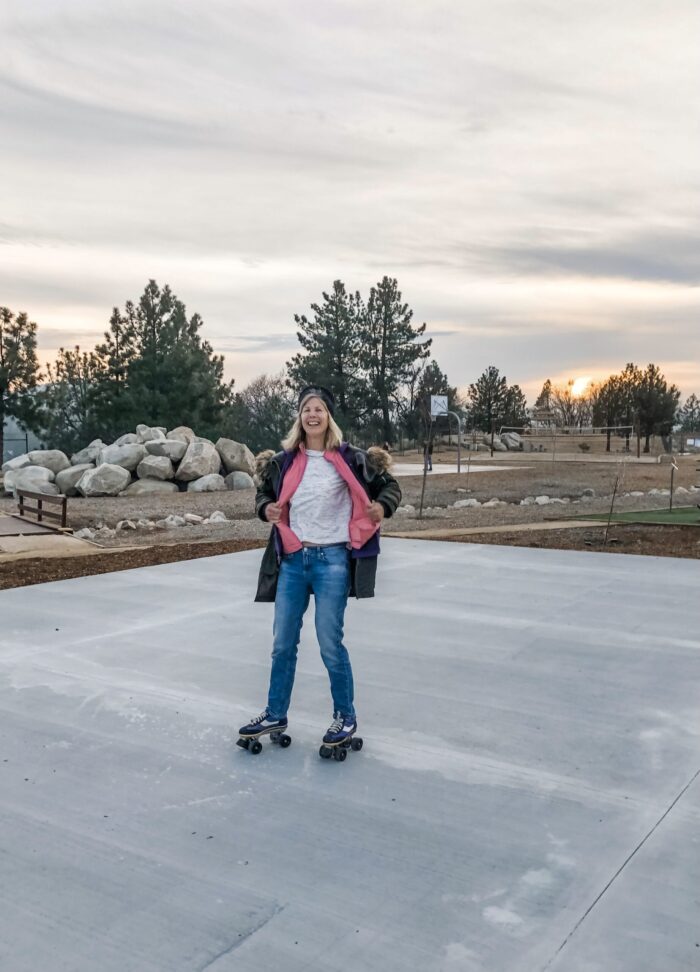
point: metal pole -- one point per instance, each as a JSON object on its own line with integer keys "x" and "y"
{"x": 612, "y": 504}
{"x": 673, "y": 469}
{"x": 425, "y": 468}
{"x": 459, "y": 436}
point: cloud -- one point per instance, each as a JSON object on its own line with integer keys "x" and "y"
{"x": 665, "y": 255}
{"x": 527, "y": 170}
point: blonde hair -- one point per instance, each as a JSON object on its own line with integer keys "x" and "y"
{"x": 296, "y": 434}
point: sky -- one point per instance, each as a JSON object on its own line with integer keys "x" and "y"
{"x": 527, "y": 170}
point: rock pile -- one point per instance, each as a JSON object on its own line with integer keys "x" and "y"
{"x": 150, "y": 460}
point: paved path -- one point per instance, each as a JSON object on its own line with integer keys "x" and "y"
{"x": 528, "y": 797}
{"x": 435, "y": 533}
{"x": 416, "y": 468}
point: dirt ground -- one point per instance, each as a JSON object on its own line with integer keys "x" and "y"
{"x": 23, "y": 573}
{"x": 565, "y": 480}
{"x": 655, "y": 541}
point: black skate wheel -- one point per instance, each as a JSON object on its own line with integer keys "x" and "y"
{"x": 255, "y": 747}
{"x": 356, "y": 745}
{"x": 285, "y": 740}
{"x": 275, "y": 737}
{"x": 340, "y": 754}
{"x": 325, "y": 752}
{"x": 243, "y": 742}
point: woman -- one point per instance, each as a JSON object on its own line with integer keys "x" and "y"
{"x": 325, "y": 500}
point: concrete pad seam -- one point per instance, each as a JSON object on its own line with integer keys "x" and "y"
{"x": 241, "y": 941}
{"x": 621, "y": 869}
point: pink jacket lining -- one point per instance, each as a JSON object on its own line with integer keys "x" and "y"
{"x": 361, "y": 528}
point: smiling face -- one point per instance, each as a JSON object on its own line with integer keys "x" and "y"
{"x": 314, "y": 419}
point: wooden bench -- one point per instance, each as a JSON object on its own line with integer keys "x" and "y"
{"x": 38, "y": 510}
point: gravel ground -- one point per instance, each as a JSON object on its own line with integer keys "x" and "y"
{"x": 563, "y": 480}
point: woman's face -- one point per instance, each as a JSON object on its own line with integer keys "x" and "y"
{"x": 314, "y": 418}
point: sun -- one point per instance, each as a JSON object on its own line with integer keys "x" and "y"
{"x": 580, "y": 385}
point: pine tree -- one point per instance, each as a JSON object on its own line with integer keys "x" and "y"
{"x": 689, "y": 415}
{"x": 70, "y": 402}
{"x": 493, "y": 403}
{"x": 432, "y": 381}
{"x": 608, "y": 405}
{"x": 331, "y": 342}
{"x": 158, "y": 369}
{"x": 656, "y": 404}
{"x": 390, "y": 349}
{"x": 19, "y": 370}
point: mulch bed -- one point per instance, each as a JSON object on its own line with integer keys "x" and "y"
{"x": 656, "y": 541}
{"x": 653, "y": 541}
{"x": 40, "y": 570}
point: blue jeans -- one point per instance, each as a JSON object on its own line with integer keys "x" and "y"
{"x": 325, "y": 573}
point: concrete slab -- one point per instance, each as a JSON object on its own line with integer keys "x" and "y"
{"x": 15, "y": 526}
{"x": 48, "y": 544}
{"x": 435, "y": 533}
{"x": 416, "y": 468}
{"x": 550, "y": 820}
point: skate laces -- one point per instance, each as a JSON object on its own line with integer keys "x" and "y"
{"x": 336, "y": 725}
{"x": 258, "y": 719}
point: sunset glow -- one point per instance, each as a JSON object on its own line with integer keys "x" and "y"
{"x": 580, "y": 385}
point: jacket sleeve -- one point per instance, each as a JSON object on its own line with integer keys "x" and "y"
{"x": 265, "y": 494}
{"x": 384, "y": 489}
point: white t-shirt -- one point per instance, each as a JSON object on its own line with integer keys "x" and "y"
{"x": 321, "y": 507}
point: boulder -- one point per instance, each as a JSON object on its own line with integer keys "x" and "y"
{"x": 235, "y": 456}
{"x": 589, "y": 491}
{"x": 182, "y": 433}
{"x": 172, "y": 449}
{"x": 146, "y": 433}
{"x": 91, "y": 453}
{"x": 19, "y": 462}
{"x": 67, "y": 480}
{"x": 142, "y": 487}
{"x": 155, "y": 467}
{"x": 542, "y": 500}
{"x": 498, "y": 445}
{"x": 213, "y": 483}
{"x": 528, "y": 501}
{"x": 201, "y": 459}
{"x": 127, "y": 456}
{"x": 465, "y": 503}
{"x": 239, "y": 480}
{"x": 217, "y": 517}
{"x": 125, "y": 525}
{"x": 193, "y": 519}
{"x": 170, "y": 522}
{"x": 37, "y": 479}
{"x": 85, "y": 534}
{"x": 493, "y": 503}
{"x": 512, "y": 441}
{"x": 108, "y": 479}
{"x": 129, "y": 438}
{"x": 52, "y": 459}
{"x": 202, "y": 438}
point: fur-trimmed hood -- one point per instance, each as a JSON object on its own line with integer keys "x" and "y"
{"x": 377, "y": 460}
{"x": 262, "y": 463}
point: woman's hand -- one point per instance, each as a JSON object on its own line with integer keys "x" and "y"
{"x": 375, "y": 511}
{"x": 273, "y": 512}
